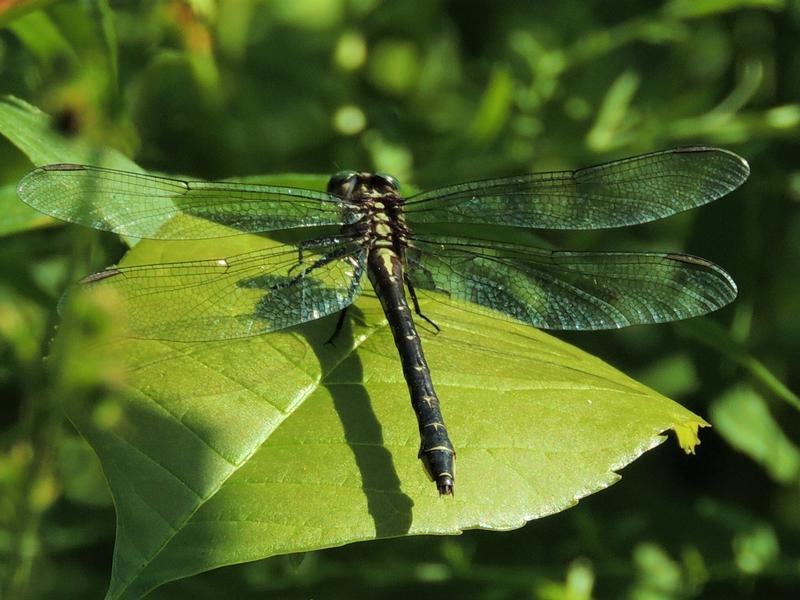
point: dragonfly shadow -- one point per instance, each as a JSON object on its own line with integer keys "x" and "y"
{"x": 389, "y": 507}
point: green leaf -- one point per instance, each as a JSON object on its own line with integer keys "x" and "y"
{"x": 744, "y": 420}
{"x": 693, "y": 9}
{"x": 37, "y": 31}
{"x": 225, "y": 452}
{"x": 32, "y": 131}
{"x": 495, "y": 106}
{"x": 16, "y": 215}
{"x": 11, "y": 11}
{"x": 712, "y": 334}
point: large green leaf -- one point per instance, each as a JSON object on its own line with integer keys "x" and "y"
{"x": 225, "y": 452}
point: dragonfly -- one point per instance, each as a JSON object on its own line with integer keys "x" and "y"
{"x": 445, "y": 240}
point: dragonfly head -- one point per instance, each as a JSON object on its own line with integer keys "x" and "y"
{"x": 345, "y": 183}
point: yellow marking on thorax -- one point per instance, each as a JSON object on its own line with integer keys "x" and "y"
{"x": 385, "y": 254}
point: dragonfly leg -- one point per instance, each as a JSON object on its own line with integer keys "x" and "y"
{"x": 358, "y": 271}
{"x": 412, "y": 292}
{"x": 339, "y": 325}
{"x": 317, "y": 264}
{"x": 313, "y": 243}
{"x": 300, "y": 247}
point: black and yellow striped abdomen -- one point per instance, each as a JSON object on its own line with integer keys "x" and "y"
{"x": 381, "y": 228}
{"x": 385, "y": 270}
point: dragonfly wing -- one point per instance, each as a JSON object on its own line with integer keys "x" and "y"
{"x": 149, "y": 206}
{"x": 625, "y": 192}
{"x": 570, "y": 290}
{"x": 240, "y": 296}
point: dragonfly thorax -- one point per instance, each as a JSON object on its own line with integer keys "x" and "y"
{"x": 378, "y": 206}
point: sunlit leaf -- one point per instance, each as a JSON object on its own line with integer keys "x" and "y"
{"x": 225, "y": 452}
{"x": 33, "y": 132}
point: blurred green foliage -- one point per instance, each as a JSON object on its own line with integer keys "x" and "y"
{"x": 436, "y": 92}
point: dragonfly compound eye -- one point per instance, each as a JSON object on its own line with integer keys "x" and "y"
{"x": 388, "y": 180}
{"x": 342, "y": 183}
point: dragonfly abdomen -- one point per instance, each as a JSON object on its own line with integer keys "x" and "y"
{"x": 436, "y": 450}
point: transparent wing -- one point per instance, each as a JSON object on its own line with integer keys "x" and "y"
{"x": 570, "y": 290}
{"x": 624, "y": 192}
{"x": 248, "y": 294}
{"x": 145, "y": 206}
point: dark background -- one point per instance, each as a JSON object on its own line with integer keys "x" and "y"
{"x": 438, "y": 92}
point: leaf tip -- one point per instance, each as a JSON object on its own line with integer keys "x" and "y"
{"x": 687, "y": 434}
